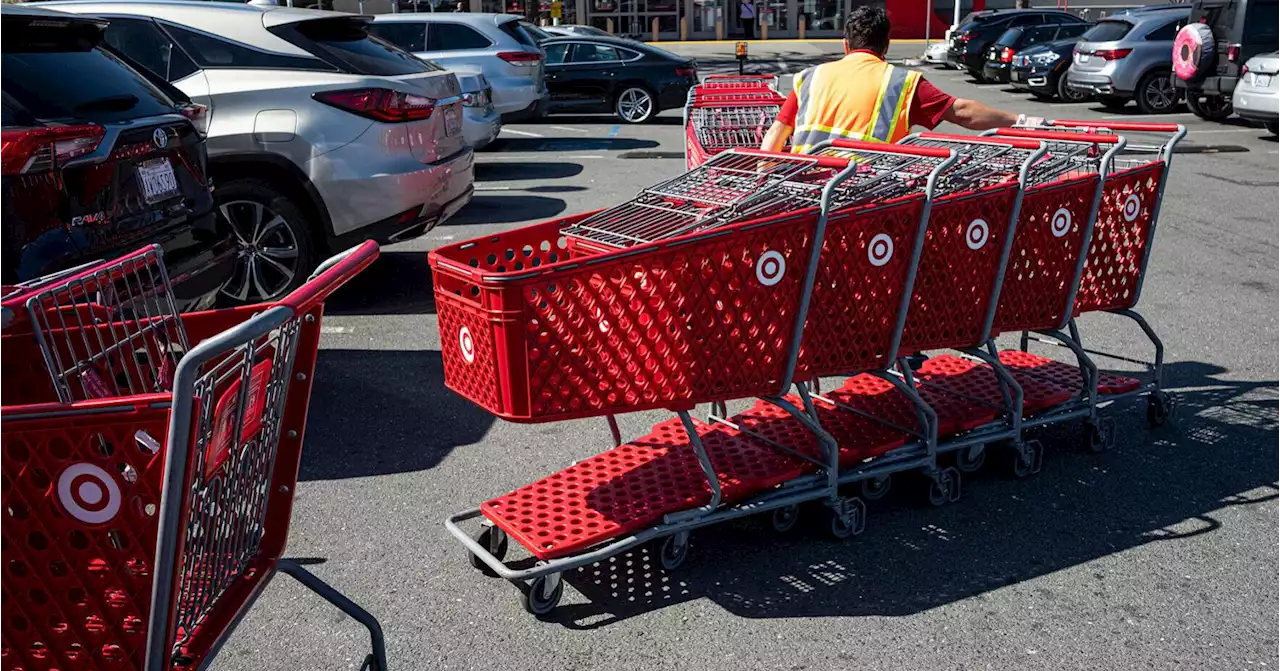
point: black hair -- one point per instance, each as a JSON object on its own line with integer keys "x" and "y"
{"x": 867, "y": 28}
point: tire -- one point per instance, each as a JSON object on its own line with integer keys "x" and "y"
{"x": 277, "y": 252}
{"x": 1155, "y": 93}
{"x": 1113, "y": 103}
{"x": 1209, "y": 108}
{"x": 1069, "y": 95}
{"x": 635, "y": 104}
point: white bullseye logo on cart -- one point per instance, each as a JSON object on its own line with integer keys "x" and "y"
{"x": 1131, "y": 207}
{"x": 880, "y": 251}
{"x": 1061, "y": 222}
{"x": 770, "y": 268}
{"x": 89, "y": 493}
{"x": 976, "y": 235}
{"x": 467, "y": 344}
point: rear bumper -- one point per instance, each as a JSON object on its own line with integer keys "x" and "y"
{"x": 512, "y": 96}
{"x": 1210, "y": 85}
{"x": 1098, "y": 84}
{"x": 480, "y": 126}
{"x": 534, "y": 110}
{"x": 429, "y": 198}
{"x": 996, "y": 72}
{"x": 1256, "y": 105}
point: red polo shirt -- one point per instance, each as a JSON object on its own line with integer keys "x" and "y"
{"x": 928, "y": 105}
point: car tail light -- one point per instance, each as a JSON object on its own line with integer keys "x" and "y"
{"x": 688, "y": 73}
{"x": 380, "y": 104}
{"x": 520, "y": 57}
{"x": 1233, "y": 53}
{"x": 1112, "y": 54}
{"x": 965, "y": 37}
{"x": 1006, "y": 56}
{"x": 1244, "y": 70}
{"x": 197, "y": 114}
{"x": 44, "y": 149}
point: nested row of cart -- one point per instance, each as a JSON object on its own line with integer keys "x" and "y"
{"x": 728, "y": 112}
{"x": 753, "y": 276}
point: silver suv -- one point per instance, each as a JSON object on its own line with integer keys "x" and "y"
{"x": 496, "y": 44}
{"x": 319, "y": 135}
{"x": 1128, "y": 56}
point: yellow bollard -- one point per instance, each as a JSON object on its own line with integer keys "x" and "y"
{"x": 802, "y": 24}
{"x": 684, "y": 28}
{"x": 608, "y": 26}
{"x": 764, "y": 29}
{"x": 655, "y": 29}
{"x": 719, "y": 29}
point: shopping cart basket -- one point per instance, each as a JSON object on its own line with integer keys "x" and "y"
{"x": 738, "y": 82}
{"x": 727, "y": 113}
{"x": 688, "y": 474}
{"x": 149, "y": 464}
{"x": 1119, "y": 250}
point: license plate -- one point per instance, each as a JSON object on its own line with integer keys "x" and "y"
{"x": 1082, "y": 58}
{"x": 158, "y": 181}
{"x": 1262, "y": 81}
{"x": 1017, "y": 76}
{"x": 452, "y": 121}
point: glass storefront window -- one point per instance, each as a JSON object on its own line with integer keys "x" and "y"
{"x": 704, "y": 15}
{"x": 822, "y": 14}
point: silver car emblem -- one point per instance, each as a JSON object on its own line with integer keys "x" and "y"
{"x": 159, "y": 138}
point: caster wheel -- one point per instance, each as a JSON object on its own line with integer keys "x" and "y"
{"x": 971, "y": 459}
{"x": 492, "y": 539}
{"x": 1025, "y": 463}
{"x": 938, "y": 495}
{"x": 543, "y": 594}
{"x": 673, "y": 551}
{"x": 876, "y": 488}
{"x": 1098, "y": 436}
{"x": 839, "y": 527}
{"x": 784, "y": 519}
{"x": 1161, "y": 406}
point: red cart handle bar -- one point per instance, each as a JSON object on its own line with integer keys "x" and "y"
{"x": 885, "y": 148}
{"x": 1012, "y": 141}
{"x": 1131, "y": 126}
{"x": 1095, "y": 138}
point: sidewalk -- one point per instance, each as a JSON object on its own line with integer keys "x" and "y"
{"x": 778, "y": 56}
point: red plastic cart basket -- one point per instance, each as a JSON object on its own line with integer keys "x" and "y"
{"x": 149, "y": 484}
{"x": 726, "y": 113}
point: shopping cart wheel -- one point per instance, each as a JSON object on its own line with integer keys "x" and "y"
{"x": 944, "y": 487}
{"x": 673, "y": 550}
{"x": 492, "y": 539}
{"x": 543, "y": 594}
{"x": 1026, "y": 458}
{"x": 874, "y": 489}
{"x": 970, "y": 459}
{"x": 1099, "y": 436}
{"x": 784, "y": 519}
{"x": 845, "y": 518}
{"x": 1161, "y": 408}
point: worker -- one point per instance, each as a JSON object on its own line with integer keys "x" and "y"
{"x": 861, "y": 97}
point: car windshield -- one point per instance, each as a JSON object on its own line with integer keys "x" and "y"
{"x": 536, "y": 32}
{"x": 1009, "y": 37}
{"x": 1107, "y": 31}
{"x": 60, "y": 72}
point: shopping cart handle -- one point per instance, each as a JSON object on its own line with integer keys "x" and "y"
{"x": 823, "y": 161}
{"x": 1131, "y": 126}
{"x": 1049, "y": 134}
{"x": 331, "y": 274}
{"x": 862, "y": 145}
{"x": 1012, "y": 141}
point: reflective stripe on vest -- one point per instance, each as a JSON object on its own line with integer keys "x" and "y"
{"x": 843, "y": 88}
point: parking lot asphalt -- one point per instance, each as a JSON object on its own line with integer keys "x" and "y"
{"x": 1159, "y": 554}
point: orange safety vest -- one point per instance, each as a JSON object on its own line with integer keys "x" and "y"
{"x": 859, "y": 97}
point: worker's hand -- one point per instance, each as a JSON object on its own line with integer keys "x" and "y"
{"x": 1025, "y": 121}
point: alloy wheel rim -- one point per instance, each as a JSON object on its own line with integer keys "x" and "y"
{"x": 267, "y": 254}
{"x": 634, "y": 104}
{"x": 1160, "y": 93}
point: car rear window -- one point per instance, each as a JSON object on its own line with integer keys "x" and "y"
{"x": 410, "y": 36}
{"x": 1262, "y": 22}
{"x": 1107, "y": 31}
{"x": 60, "y": 73}
{"x": 450, "y": 36}
{"x": 1009, "y": 37}
{"x": 347, "y": 44}
{"x": 517, "y": 33}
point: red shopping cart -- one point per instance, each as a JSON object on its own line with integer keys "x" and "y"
{"x": 728, "y": 112}
{"x": 149, "y": 464}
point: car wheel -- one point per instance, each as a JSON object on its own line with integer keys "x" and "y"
{"x": 1113, "y": 103}
{"x": 1068, "y": 94}
{"x": 635, "y": 104}
{"x": 1210, "y": 108}
{"x": 275, "y": 248}
{"x": 1155, "y": 93}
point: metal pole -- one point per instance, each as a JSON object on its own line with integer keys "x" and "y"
{"x": 955, "y": 16}
{"x": 928, "y": 20}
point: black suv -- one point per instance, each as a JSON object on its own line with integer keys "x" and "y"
{"x": 99, "y": 161}
{"x": 1014, "y": 40}
{"x": 1241, "y": 29}
{"x": 970, "y": 42}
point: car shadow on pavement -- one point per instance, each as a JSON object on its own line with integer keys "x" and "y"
{"x": 575, "y": 144}
{"x": 499, "y": 171}
{"x": 398, "y": 283}
{"x": 408, "y": 420}
{"x": 1155, "y": 486}
{"x": 486, "y": 208}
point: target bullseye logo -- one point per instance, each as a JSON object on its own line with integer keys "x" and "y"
{"x": 770, "y": 268}
{"x": 89, "y": 493}
{"x": 1132, "y": 207}
{"x": 1061, "y": 222}
{"x": 976, "y": 235}
{"x": 467, "y": 344}
{"x": 880, "y": 251}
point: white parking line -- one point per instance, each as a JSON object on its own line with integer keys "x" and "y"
{"x": 492, "y": 188}
{"x": 524, "y": 157}
{"x": 1147, "y": 116}
{"x": 1225, "y": 130}
{"x": 335, "y": 329}
{"x": 571, "y": 130}
{"x": 521, "y": 132}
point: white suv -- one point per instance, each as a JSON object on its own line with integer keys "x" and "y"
{"x": 319, "y": 135}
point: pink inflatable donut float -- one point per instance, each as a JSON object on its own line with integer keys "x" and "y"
{"x": 1193, "y": 51}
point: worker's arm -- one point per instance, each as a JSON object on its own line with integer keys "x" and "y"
{"x": 777, "y": 137}
{"x": 974, "y": 115}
